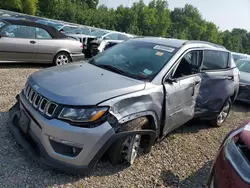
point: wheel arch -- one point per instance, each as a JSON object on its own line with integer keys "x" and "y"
{"x": 62, "y": 51}
{"x": 150, "y": 115}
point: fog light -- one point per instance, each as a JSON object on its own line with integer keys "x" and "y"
{"x": 66, "y": 142}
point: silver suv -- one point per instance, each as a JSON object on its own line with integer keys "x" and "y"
{"x": 122, "y": 100}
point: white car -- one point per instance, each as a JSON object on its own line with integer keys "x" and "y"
{"x": 92, "y": 42}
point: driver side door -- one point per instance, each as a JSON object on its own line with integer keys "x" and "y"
{"x": 181, "y": 91}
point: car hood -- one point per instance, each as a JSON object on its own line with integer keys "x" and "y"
{"x": 245, "y": 77}
{"x": 82, "y": 84}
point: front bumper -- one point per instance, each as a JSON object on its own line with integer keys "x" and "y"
{"x": 77, "y": 57}
{"x": 36, "y": 141}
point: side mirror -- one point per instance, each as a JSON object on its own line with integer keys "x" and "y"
{"x": 171, "y": 80}
{"x": 3, "y": 34}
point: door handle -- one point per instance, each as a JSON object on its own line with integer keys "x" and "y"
{"x": 229, "y": 77}
{"x": 32, "y": 42}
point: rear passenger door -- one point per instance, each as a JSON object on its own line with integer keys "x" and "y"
{"x": 47, "y": 46}
{"x": 217, "y": 85}
{"x": 217, "y": 64}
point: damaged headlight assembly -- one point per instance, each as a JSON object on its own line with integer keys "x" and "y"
{"x": 82, "y": 115}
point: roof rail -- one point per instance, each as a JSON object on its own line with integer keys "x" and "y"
{"x": 204, "y": 42}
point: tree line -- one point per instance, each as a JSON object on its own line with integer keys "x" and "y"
{"x": 154, "y": 19}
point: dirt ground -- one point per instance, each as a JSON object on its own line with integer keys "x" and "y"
{"x": 182, "y": 159}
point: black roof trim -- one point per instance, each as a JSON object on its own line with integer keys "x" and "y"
{"x": 51, "y": 30}
{"x": 205, "y": 42}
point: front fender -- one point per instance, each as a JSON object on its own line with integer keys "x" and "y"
{"x": 140, "y": 114}
{"x": 147, "y": 102}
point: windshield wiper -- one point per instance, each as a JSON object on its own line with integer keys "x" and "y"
{"x": 111, "y": 68}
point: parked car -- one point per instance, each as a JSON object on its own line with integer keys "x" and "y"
{"x": 238, "y": 56}
{"x": 231, "y": 166}
{"x": 24, "y": 41}
{"x": 92, "y": 42}
{"x": 121, "y": 100}
{"x": 244, "y": 90}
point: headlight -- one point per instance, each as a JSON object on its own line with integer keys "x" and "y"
{"x": 82, "y": 114}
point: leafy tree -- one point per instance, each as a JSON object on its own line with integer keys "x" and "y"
{"x": 14, "y": 5}
{"x": 154, "y": 19}
{"x": 29, "y": 6}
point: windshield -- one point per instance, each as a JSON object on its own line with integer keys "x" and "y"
{"x": 55, "y": 25}
{"x": 139, "y": 60}
{"x": 85, "y": 31}
{"x": 99, "y": 33}
{"x": 243, "y": 65}
{"x": 1, "y": 24}
{"x": 68, "y": 28}
{"x": 237, "y": 57}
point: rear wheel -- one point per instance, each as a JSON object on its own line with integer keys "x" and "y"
{"x": 221, "y": 118}
{"x": 62, "y": 58}
{"x": 126, "y": 149}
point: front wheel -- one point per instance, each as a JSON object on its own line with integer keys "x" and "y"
{"x": 221, "y": 118}
{"x": 126, "y": 149}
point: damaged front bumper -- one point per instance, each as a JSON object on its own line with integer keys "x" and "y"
{"x": 244, "y": 93}
{"x": 59, "y": 153}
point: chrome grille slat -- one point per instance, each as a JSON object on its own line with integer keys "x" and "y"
{"x": 27, "y": 92}
{"x": 45, "y": 101}
{"x": 30, "y": 95}
{"x": 39, "y": 102}
{"x": 53, "y": 110}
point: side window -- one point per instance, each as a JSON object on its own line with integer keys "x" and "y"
{"x": 189, "y": 64}
{"x": 20, "y": 31}
{"x": 122, "y": 37}
{"x": 214, "y": 60}
{"x": 113, "y": 36}
{"x": 42, "y": 34}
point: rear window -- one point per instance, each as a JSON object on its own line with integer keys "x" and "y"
{"x": 214, "y": 60}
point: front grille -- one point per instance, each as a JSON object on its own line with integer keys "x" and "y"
{"x": 39, "y": 102}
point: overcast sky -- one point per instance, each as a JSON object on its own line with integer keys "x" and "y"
{"x": 227, "y": 14}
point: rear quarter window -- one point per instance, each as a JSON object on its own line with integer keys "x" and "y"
{"x": 215, "y": 60}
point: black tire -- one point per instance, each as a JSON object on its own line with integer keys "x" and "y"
{"x": 93, "y": 51}
{"x": 65, "y": 59}
{"x": 217, "y": 122}
{"x": 115, "y": 151}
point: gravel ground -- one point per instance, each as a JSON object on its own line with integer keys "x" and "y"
{"x": 183, "y": 159}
